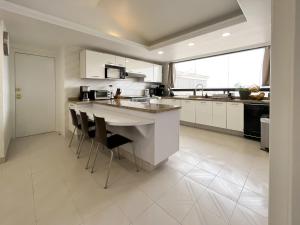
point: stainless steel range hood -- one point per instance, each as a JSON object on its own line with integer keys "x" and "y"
{"x": 135, "y": 75}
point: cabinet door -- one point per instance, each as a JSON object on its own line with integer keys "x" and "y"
{"x": 219, "y": 114}
{"x": 235, "y": 116}
{"x": 204, "y": 112}
{"x": 141, "y": 67}
{"x": 188, "y": 111}
{"x": 93, "y": 64}
{"x": 157, "y": 73}
{"x": 120, "y": 61}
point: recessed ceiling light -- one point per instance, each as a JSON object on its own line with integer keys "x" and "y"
{"x": 191, "y": 44}
{"x": 160, "y": 52}
{"x": 227, "y": 34}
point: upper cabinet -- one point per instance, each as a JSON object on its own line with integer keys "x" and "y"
{"x": 140, "y": 67}
{"x": 157, "y": 73}
{"x": 120, "y": 61}
{"x": 92, "y": 65}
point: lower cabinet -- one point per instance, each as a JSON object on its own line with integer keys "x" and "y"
{"x": 219, "y": 114}
{"x": 204, "y": 113}
{"x": 227, "y": 115}
{"x": 235, "y": 116}
{"x": 188, "y": 111}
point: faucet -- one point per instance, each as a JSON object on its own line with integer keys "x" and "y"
{"x": 195, "y": 90}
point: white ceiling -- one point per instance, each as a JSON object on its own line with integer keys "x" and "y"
{"x": 140, "y": 28}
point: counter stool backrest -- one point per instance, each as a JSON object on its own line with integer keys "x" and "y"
{"x": 75, "y": 121}
{"x": 84, "y": 123}
{"x": 101, "y": 132}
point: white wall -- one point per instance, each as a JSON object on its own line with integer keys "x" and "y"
{"x": 285, "y": 111}
{"x": 5, "y": 106}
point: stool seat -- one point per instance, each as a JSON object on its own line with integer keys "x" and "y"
{"x": 116, "y": 140}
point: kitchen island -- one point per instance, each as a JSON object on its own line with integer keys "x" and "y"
{"x": 154, "y": 128}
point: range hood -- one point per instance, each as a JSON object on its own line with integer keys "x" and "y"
{"x": 135, "y": 75}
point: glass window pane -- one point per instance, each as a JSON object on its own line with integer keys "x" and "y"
{"x": 225, "y": 71}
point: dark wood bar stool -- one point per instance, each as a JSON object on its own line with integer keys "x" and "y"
{"x": 110, "y": 142}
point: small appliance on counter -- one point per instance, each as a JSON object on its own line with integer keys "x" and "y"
{"x": 147, "y": 92}
{"x": 157, "y": 90}
{"x": 84, "y": 93}
{"x": 99, "y": 95}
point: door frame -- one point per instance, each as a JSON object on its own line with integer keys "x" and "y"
{"x": 34, "y": 52}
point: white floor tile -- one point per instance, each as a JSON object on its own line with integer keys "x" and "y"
{"x": 44, "y": 184}
{"x": 180, "y": 199}
{"x": 256, "y": 202}
{"x": 133, "y": 203}
{"x": 245, "y": 216}
{"x": 226, "y": 188}
{"x": 155, "y": 215}
{"x": 110, "y": 216}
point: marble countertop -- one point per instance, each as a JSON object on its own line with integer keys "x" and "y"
{"x": 219, "y": 99}
{"x": 139, "y": 106}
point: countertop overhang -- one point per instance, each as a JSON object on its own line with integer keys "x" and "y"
{"x": 137, "y": 106}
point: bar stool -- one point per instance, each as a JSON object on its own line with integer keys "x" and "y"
{"x": 75, "y": 122}
{"x": 110, "y": 142}
{"x": 86, "y": 131}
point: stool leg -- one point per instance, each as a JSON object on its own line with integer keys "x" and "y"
{"x": 79, "y": 149}
{"x": 118, "y": 151}
{"x": 91, "y": 149}
{"x": 72, "y": 136}
{"x": 134, "y": 157}
{"x": 80, "y": 137}
{"x": 97, "y": 151}
{"x": 108, "y": 171}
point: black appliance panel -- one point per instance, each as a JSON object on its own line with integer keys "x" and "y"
{"x": 252, "y": 115}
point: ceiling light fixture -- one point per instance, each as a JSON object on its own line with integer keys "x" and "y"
{"x": 191, "y": 44}
{"x": 227, "y": 34}
{"x": 160, "y": 52}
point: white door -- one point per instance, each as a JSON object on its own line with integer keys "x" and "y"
{"x": 188, "y": 111}
{"x": 35, "y": 94}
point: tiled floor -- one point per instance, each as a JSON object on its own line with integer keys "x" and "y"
{"x": 214, "y": 179}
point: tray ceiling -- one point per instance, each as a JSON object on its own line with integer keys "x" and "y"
{"x": 147, "y": 22}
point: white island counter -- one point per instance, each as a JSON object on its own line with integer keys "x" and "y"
{"x": 154, "y": 128}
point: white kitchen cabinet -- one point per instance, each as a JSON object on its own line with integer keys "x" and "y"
{"x": 204, "y": 112}
{"x": 120, "y": 61}
{"x": 235, "y": 116}
{"x": 188, "y": 111}
{"x": 140, "y": 67}
{"x": 92, "y": 64}
{"x": 219, "y": 114}
{"x": 157, "y": 73}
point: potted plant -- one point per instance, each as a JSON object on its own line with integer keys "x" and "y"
{"x": 244, "y": 93}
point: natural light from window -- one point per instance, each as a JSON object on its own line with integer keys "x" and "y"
{"x": 234, "y": 70}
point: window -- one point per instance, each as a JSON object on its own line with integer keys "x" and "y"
{"x": 232, "y": 70}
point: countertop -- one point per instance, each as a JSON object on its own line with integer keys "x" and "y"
{"x": 138, "y": 106}
{"x": 219, "y": 99}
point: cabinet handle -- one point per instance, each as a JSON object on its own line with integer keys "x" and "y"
{"x": 219, "y": 103}
{"x": 95, "y": 76}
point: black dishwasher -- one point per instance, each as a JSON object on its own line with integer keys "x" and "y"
{"x": 252, "y": 114}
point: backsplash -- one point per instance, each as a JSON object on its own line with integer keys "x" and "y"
{"x": 73, "y": 81}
